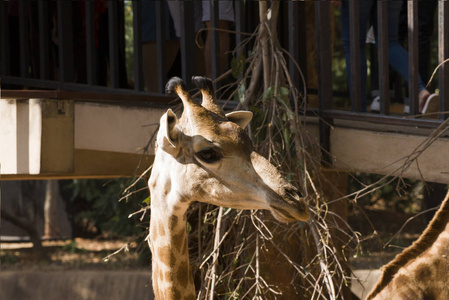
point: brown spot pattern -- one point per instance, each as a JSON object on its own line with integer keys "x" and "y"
{"x": 173, "y": 221}
{"x": 179, "y": 240}
{"x": 183, "y": 274}
{"x": 161, "y": 229}
{"x": 190, "y": 297}
{"x": 166, "y": 256}
{"x": 423, "y": 272}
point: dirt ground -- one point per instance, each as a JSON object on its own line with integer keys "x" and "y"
{"x": 80, "y": 254}
{"x": 90, "y": 254}
{"x": 386, "y": 235}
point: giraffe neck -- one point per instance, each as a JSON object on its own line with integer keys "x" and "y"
{"x": 428, "y": 239}
{"x": 172, "y": 278}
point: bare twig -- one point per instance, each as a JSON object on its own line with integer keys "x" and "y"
{"x": 435, "y": 71}
{"x": 216, "y": 252}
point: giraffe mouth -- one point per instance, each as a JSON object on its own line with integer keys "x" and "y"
{"x": 282, "y": 215}
{"x": 292, "y": 207}
{"x": 292, "y": 215}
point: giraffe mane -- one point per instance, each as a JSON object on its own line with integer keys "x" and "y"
{"x": 436, "y": 226}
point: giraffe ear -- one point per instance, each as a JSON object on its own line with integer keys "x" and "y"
{"x": 241, "y": 118}
{"x": 166, "y": 137}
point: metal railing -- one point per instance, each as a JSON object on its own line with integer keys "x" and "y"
{"x": 64, "y": 44}
{"x": 80, "y": 46}
{"x": 327, "y": 109}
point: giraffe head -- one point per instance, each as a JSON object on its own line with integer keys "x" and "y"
{"x": 206, "y": 156}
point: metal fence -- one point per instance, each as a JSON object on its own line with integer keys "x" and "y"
{"x": 80, "y": 46}
{"x": 325, "y": 71}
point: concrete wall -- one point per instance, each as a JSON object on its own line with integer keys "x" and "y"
{"x": 389, "y": 153}
{"x": 47, "y": 138}
{"x": 75, "y": 285}
{"x": 36, "y": 136}
{"x": 41, "y": 138}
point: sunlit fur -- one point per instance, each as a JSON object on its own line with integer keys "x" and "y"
{"x": 236, "y": 177}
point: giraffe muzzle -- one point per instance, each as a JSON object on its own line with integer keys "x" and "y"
{"x": 291, "y": 208}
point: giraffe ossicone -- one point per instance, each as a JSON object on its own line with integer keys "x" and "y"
{"x": 206, "y": 156}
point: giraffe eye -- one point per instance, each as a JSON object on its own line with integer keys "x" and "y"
{"x": 208, "y": 155}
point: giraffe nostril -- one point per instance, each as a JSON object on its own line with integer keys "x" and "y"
{"x": 293, "y": 206}
{"x": 292, "y": 193}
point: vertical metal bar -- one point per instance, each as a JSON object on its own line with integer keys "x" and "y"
{"x": 91, "y": 51}
{"x": 137, "y": 43}
{"x": 297, "y": 42}
{"x": 240, "y": 27}
{"x": 354, "y": 33}
{"x": 214, "y": 38}
{"x": 443, "y": 54}
{"x": 187, "y": 39}
{"x": 161, "y": 46}
{"x": 44, "y": 32}
{"x": 3, "y": 39}
{"x": 293, "y": 45}
{"x": 323, "y": 31}
{"x": 113, "y": 44}
{"x": 23, "y": 38}
{"x": 65, "y": 38}
{"x": 239, "y": 21}
{"x": 382, "y": 44}
{"x": 413, "y": 73}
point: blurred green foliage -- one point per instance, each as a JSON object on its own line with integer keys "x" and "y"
{"x": 96, "y": 210}
{"x": 129, "y": 40}
{"x": 401, "y": 195}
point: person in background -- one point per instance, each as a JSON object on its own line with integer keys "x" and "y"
{"x": 426, "y": 21}
{"x": 149, "y": 48}
{"x": 202, "y": 17}
{"x": 226, "y": 18}
{"x": 426, "y": 18}
{"x": 398, "y": 56}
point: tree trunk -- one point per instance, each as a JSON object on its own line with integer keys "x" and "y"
{"x": 30, "y": 228}
{"x": 51, "y": 226}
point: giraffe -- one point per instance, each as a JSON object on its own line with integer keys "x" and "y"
{"x": 206, "y": 156}
{"x": 421, "y": 271}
